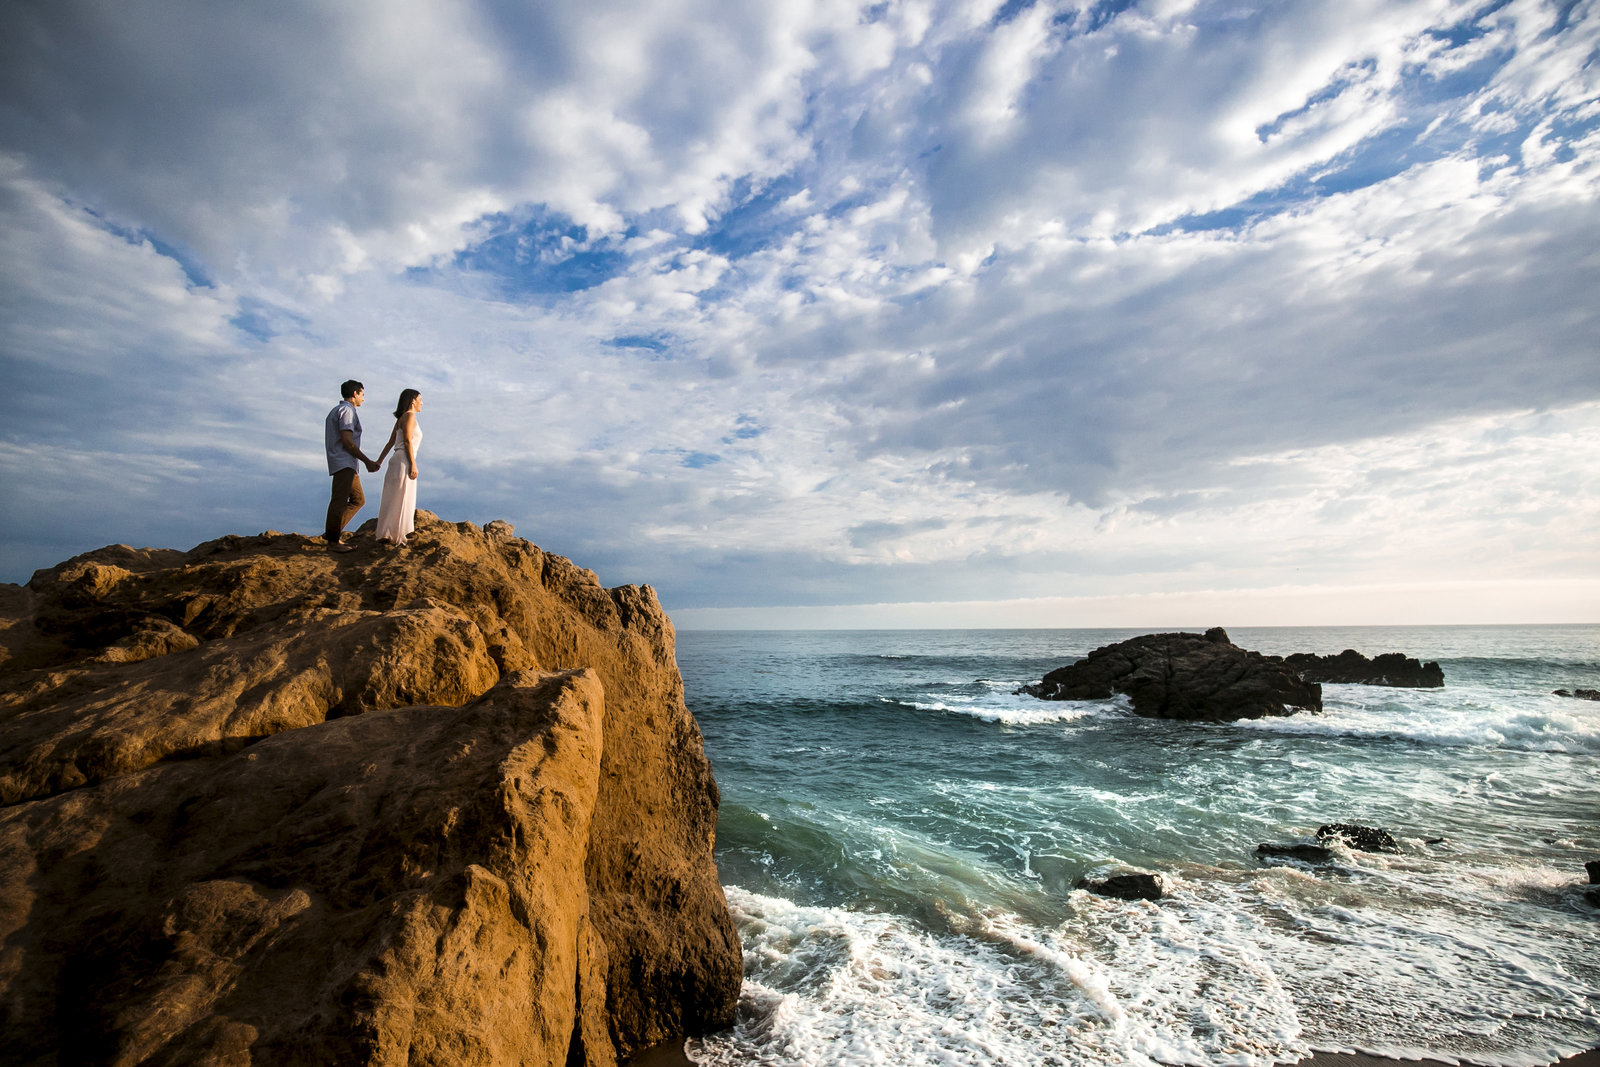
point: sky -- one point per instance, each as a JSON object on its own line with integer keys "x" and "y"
{"x": 828, "y": 313}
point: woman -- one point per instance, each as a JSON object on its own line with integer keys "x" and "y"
{"x": 397, "y": 513}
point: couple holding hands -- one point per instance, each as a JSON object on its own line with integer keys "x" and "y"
{"x": 342, "y": 435}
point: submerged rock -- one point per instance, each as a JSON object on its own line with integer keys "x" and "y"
{"x": 1581, "y": 694}
{"x": 1360, "y": 838}
{"x": 1133, "y": 885}
{"x": 1304, "y": 852}
{"x": 1351, "y": 667}
{"x": 439, "y": 804}
{"x": 1184, "y": 676}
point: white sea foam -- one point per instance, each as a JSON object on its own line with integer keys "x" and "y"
{"x": 831, "y": 986}
{"x": 1023, "y": 716}
{"x": 998, "y": 702}
{"x": 1246, "y": 972}
{"x": 1458, "y": 718}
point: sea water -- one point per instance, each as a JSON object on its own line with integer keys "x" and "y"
{"x": 901, "y": 835}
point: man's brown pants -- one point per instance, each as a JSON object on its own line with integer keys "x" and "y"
{"x": 347, "y": 500}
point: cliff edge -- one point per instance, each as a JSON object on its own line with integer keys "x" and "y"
{"x": 434, "y": 805}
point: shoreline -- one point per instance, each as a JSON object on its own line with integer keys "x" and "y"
{"x": 671, "y": 1054}
{"x": 1590, "y": 1058}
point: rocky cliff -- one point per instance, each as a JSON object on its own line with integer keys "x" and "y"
{"x": 433, "y": 805}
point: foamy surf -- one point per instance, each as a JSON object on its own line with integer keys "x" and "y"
{"x": 1457, "y": 717}
{"x": 832, "y": 986}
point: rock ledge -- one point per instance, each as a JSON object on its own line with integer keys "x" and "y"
{"x": 440, "y": 804}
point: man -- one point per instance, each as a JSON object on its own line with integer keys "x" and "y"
{"x": 341, "y": 434}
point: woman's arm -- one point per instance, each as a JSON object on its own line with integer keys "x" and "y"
{"x": 408, "y": 425}
{"x": 385, "y": 452}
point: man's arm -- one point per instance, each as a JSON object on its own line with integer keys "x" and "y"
{"x": 348, "y": 440}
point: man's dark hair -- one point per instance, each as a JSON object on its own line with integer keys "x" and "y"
{"x": 351, "y": 388}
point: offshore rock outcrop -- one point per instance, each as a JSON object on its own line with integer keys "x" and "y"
{"x": 1360, "y": 838}
{"x": 1127, "y": 885}
{"x": 264, "y": 803}
{"x": 1351, "y": 667}
{"x": 1184, "y": 676}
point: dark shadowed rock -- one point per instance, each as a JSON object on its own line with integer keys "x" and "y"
{"x": 1351, "y": 667}
{"x": 435, "y": 804}
{"x": 1581, "y": 694}
{"x": 1130, "y": 886}
{"x": 1360, "y": 838}
{"x": 1184, "y": 676}
{"x": 1303, "y": 852}
{"x": 1593, "y": 867}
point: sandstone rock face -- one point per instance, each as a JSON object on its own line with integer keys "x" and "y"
{"x": 436, "y": 804}
{"x": 1351, "y": 667}
{"x": 1184, "y": 676}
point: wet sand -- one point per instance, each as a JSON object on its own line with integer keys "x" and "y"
{"x": 672, "y": 1055}
{"x": 1359, "y": 1059}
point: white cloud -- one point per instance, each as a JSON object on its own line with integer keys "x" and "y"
{"x": 902, "y": 300}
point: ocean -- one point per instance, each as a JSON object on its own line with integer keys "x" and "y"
{"x": 900, "y": 837}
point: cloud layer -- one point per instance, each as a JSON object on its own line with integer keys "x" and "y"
{"x": 831, "y": 303}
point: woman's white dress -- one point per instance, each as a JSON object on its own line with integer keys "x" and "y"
{"x": 397, "y": 514}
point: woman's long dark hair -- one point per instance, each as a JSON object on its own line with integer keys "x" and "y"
{"x": 406, "y": 397}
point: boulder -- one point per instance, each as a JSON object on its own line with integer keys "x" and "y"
{"x": 1300, "y": 851}
{"x": 1351, "y": 667}
{"x": 1593, "y": 867}
{"x": 1581, "y": 694}
{"x": 1184, "y": 676}
{"x": 441, "y": 803}
{"x": 1360, "y": 838}
{"x": 1137, "y": 885}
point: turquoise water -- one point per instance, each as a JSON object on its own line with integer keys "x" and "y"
{"x": 900, "y": 836}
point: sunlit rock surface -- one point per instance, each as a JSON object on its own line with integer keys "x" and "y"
{"x": 264, "y": 803}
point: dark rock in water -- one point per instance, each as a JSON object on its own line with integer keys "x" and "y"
{"x": 1593, "y": 867}
{"x": 1360, "y": 838}
{"x": 1351, "y": 667}
{"x": 1581, "y": 694}
{"x": 1305, "y": 853}
{"x": 1136, "y": 886}
{"x": 1184, "y": 676}
{"x": 1592, "y": 895}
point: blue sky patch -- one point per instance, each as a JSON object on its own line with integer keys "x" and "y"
{"x": 746, "y": 428}
{"x": 754, "y": 222}
{"x": 545, "y": 254}
{"x": 651, "y": 342}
